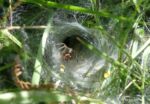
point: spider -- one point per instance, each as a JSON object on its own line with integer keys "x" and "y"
{"x": 65, "y": 51}
{"x": 17, "y": 72}
{"x": 25, "y": 85}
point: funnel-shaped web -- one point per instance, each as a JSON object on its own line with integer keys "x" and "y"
{"x": 68, "y": 60}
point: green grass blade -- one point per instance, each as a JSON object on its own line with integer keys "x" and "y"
{"x": 141, "y": 49}
{"x": 39, "y": 61}
{"x": 6, "y": 66}
{"x": 145, "y": 57}
{"x": 7, "y": 34}
{"x": 99, "y": 53}
{"x": 33, "y": 97}
{"x": 77, "y": 8}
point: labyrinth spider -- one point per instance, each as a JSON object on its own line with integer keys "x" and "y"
{"x": 66, "y": 51}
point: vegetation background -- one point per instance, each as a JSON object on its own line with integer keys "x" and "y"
{"x": 125, "y": 23}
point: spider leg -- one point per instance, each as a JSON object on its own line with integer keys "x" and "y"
{"x": 61, "y": 46}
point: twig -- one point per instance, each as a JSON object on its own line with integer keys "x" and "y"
{"x": 10, "y": 11}
{"x": 23, "y": 27}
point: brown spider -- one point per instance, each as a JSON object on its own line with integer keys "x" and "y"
{"x": 20, "y": 83}
{"x": 65, "y": 51}
{"x": 25, "y": 85}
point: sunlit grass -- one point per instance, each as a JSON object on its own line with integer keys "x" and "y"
{"x": 124, "y": 24}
